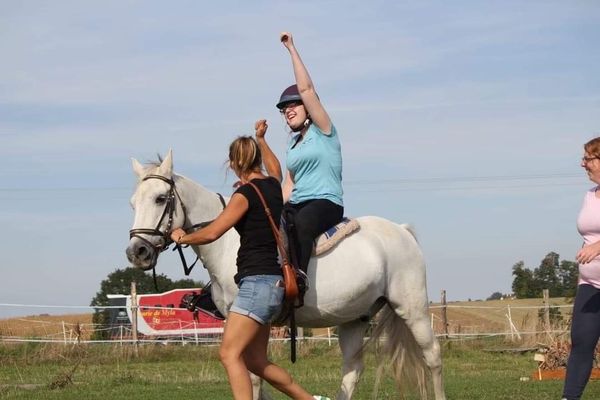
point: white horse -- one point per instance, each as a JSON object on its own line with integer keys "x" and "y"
{"x": 381, "y": 265}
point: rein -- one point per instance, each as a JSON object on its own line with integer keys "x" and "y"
{"x": 165, "y": 235}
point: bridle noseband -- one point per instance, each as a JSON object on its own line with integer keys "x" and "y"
{"x": 168, "y": 212}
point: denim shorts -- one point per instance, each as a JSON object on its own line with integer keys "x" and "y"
{"x": 260, "y": 297}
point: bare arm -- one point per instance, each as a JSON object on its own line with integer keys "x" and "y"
{"x": 235, "y": 210}
{"x": 306, "y": 88}
{"x": 270, "y": 160}
{"x": 288, "y": 186}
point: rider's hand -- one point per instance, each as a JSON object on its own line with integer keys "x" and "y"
{"x": 286, "y": 39}
{"x": 261, "y": 128}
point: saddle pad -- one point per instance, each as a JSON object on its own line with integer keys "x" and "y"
{"x": 334, "y": 235}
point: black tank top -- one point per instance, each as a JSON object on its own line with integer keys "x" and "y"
{"x": 257, "y": 254}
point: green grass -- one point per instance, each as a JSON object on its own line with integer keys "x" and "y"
{"x": 193, "y": 372}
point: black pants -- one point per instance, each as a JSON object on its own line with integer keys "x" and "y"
{"x": 312, "y": 218}
{"x": 585, "y": 331}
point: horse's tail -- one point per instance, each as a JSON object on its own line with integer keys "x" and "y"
{"x": 397, "y": 349}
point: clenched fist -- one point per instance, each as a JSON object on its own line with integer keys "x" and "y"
{"x": 286, "y": 39}
{"x": 261, "y": 128}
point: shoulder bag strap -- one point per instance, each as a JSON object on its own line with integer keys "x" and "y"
{"x": 280, "y": 245}
{"x": 284, "y": 260}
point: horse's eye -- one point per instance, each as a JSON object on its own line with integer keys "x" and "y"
{"x": 161, "y": 199}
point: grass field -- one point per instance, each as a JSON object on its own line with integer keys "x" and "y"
{"x": 110, "y": 371}
{"x": 37, "y": 371}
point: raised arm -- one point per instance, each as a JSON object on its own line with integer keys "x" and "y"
{"x": 235, "y": 210}
{"x": 306, "y": 88}
{"x": 270, "y": 160}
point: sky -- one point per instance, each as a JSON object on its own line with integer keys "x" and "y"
{"x": 465, "y": 119}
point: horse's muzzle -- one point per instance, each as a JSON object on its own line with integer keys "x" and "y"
{"x": 141, "y": 254}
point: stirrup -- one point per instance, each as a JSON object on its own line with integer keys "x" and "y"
{"x": 303, "y": 280}
{"x": 303, "y": 286}
{"x": 203, "y": 303}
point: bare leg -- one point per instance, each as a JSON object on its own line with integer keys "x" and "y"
{"x": 238, "y": 334}
{"x": 255, "y": 357}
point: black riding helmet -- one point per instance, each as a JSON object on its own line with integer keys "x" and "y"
{"x": 289, "y": 95}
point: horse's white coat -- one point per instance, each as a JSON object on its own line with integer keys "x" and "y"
{"x": 382, "y": 259}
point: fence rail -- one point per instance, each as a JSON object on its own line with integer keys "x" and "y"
{"x": 449, "y": 321}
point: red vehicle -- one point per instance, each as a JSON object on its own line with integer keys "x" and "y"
{"x": 165, "y": 314}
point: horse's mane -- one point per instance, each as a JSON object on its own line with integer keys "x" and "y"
{"x": 148, "y": 165}
{"x": 154, "y": 163}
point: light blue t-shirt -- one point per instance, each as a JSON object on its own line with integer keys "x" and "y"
{"x": 316, "y": 166}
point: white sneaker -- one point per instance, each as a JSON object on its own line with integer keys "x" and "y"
{"x": 321, "y": 397}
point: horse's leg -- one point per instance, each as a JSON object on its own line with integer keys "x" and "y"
{"x": 423, "y": 334}
{"x": 351, "y": 336}
{"x": 258, "y": 389}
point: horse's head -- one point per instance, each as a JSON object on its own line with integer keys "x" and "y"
{"x": 157, "y": 210}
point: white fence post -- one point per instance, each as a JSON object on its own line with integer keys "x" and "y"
{"x": 444, "y": 315}
{"x": 134, "y": 309}
{"x": 64, "y": 332}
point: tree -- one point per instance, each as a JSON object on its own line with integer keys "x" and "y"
{"x": 546, "y": 277}
{"x": 495, "y": 296}
{"x": 559, "y": 277}
{"x": 568, "y": 274}
{"x": 522, "y": 285}
{"x": 119, "y": 282}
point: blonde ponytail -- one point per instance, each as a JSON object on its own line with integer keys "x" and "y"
{"x": 244, "y": 155}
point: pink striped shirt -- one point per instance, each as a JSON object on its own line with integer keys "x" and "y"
{"x": 588, "y": 225}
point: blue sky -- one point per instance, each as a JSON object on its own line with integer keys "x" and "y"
{"x": 466, "y": 120}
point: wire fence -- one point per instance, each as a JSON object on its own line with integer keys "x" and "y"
{"x": 449, "y": 321}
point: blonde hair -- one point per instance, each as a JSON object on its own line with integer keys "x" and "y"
{"x": 244, "y": 155}
{"x": 593, "y": 147}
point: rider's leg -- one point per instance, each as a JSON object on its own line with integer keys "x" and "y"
{"x": 312, "y": 218}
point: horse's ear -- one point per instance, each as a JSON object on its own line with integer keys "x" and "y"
{"x": 166, "y": 167}
{"x": 138, "y": 168}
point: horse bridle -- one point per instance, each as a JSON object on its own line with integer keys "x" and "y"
{"x": 168, "y": 212}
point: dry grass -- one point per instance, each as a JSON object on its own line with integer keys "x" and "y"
{"x": 48, "y": 326}
{"x": 492, "y": 316}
